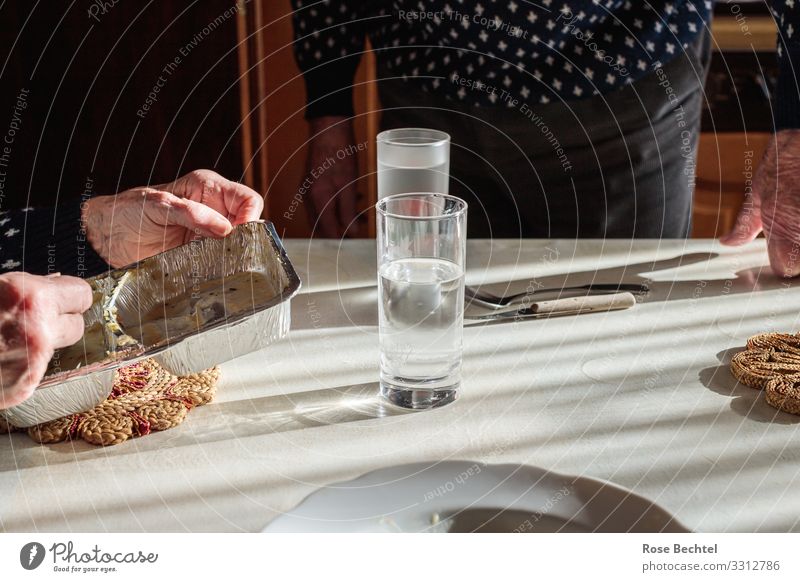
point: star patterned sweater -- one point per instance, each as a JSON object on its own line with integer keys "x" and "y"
{"x": 47, "y": 240}
{"x": 496, "y": 53}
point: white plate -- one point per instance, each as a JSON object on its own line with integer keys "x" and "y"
{"x": 463, "y": 496}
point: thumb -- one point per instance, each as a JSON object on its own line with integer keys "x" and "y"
{"x": 748, "y": 223}
{"x": 784, "y": 255}
{"x": 170, "y": 210}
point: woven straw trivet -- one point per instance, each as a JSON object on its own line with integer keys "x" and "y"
{"x": 145, "y": 398}
{"x": 771, "y": 363}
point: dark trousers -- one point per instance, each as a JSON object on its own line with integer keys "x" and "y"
{"x": 619, "y": 165}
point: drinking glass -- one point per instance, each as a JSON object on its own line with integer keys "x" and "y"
{"x": 413, "y": 160}
{"x": 421, "y": 259}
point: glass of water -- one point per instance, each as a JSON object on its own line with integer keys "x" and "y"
{"x": 421, "y": 258}
{"x": 413, "y": 160}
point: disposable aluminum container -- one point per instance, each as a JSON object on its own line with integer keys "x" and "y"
{"x": 251, "y": 248}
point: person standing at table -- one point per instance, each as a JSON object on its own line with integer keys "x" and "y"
{"x": 568, "y": 119}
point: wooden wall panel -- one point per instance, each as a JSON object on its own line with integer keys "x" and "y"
{"x": 722, "y": 160}
{"x": 287, "y": 130}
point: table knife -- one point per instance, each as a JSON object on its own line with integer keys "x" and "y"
{"x": 562, "y": 307}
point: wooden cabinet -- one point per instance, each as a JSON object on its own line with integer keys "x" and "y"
{"x": 726, "y": 163}
{"x": 278, "y": 133}
{"x": 742, "y": 72}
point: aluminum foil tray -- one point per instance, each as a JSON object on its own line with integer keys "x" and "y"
{"x": 237, "y": 291}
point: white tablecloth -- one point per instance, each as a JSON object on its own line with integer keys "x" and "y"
{"x": 642, "y": 398}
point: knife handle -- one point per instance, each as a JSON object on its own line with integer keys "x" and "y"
{"x": 585, "y": 304}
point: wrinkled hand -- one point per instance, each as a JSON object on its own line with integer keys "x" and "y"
{"x": 142, "y": 222}
{"x": 331, "y": 197}
{"x": 774, "y": 206}
{"x": 37, "y": 316}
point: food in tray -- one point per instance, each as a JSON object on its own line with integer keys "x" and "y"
{"x": 202, "y": 304}
{"x": 176, "y": 294}
{"x": 89, "y": 349}
{"x": 188, "y": 312}
{"x": 102, "y": 337}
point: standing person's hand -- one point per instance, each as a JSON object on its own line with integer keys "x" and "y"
{"x": 774, "y": 206}
{"x": 331, "y": 198}
{"x": 37, "y": 316}
{"x": 141, "y": 222}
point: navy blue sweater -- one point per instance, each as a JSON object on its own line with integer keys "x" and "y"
{"x": 47, "y": 240}
{"x": 503, "y": 52}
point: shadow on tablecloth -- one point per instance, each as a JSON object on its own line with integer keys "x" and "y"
{"x": 677, "y": 278}
{"x": 746, "y": 401}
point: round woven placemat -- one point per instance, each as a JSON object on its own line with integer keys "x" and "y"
{"x": 771, "y": 363}
{"x": 145, "y": 398}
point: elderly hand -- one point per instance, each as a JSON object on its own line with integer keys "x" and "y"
{"x": 331, "y": 185}
{"x": 774, "y": 205}
{"x": 37, "y": 316}
{"x": 142, "y": 222}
